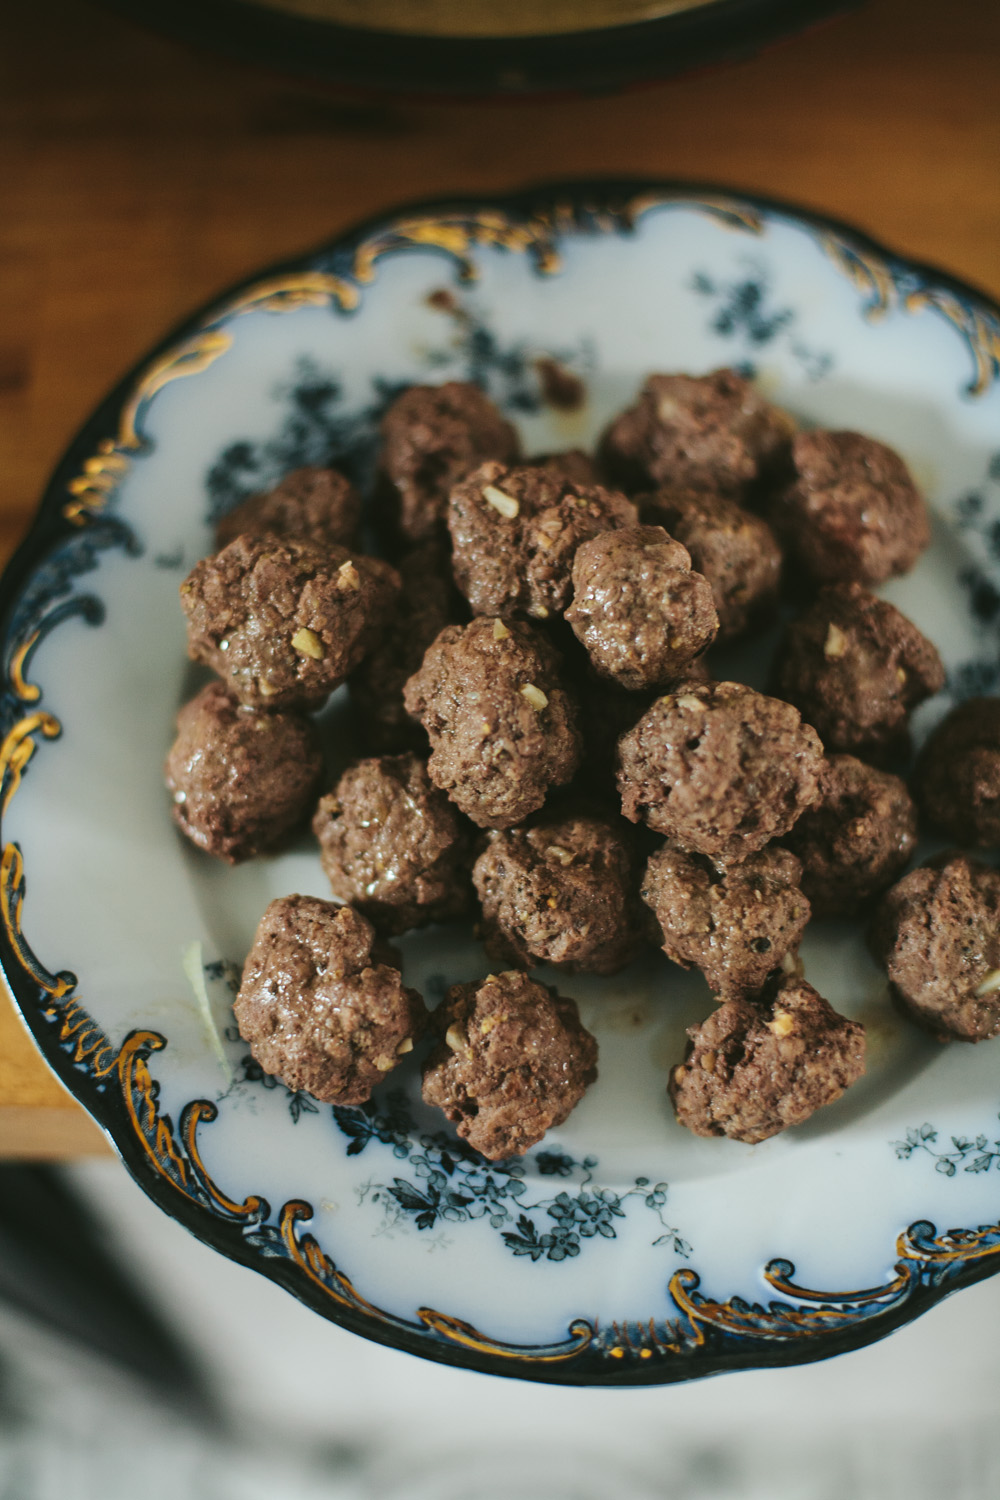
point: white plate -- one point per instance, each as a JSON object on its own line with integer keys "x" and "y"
{"x": 623, "y": 1250}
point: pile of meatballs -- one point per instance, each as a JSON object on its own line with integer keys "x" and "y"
{"x": 552, "y": 760}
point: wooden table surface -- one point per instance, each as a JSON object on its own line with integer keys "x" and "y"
{"x": 137, "y": 179}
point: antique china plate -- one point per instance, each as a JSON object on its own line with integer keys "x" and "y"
{"x": 622, "y": 1250}
{"x": 476, "y": 49}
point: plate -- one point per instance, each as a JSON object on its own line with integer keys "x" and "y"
{"x": 475, "y": 49}
{"x": 622, "y": 1250}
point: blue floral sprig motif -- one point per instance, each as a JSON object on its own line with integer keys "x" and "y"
{"x": 977, "y": 514}
{"x": 586, "y": 1214}
{"x": 977, "y": 1155}
{"x": 451, "y": 1183}
{"x": 742, "y": 312}
{"x": 317, "y": 425}
{"x": 508, "y": 373}
{"x": 742, "y": 307}
{"x": 299, "y": 1103}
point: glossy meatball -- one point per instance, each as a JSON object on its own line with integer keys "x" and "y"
{"x": 753, "y": 1070}
{"x": 394, "y": 846}
{"x": 735, "y": 922}
{"x": 317, "y": 504}
{"x": 512, "y": 1061}
{"x": 957, "y": 778}
{"x": 432, "y": 436}
{"x": 710, "y": 432}
{"x": 240, "y": 779}
{"x": 638, "y": 609}
{"x": 284, "y": 622}
{"x": 502, "y": 728}
{"x": 317, "y": 1008}
{"x": 719, "y": 769}
{"x": 560, "y": 891}
{"x": 855, "y": 667}
{"x": 515, "y": 533}
{"x": 852, "y": 513}
{"x": 735, "y": 550}
{"x": 938, "y": 934}
{"x": 572, "y": 464}
{"x": 858, "y": 838}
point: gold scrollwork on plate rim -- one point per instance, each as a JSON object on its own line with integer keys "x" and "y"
{"x": 803, "y": 1313}
{"x": 696, "y": 1323}
{"x": 458, "y": 233}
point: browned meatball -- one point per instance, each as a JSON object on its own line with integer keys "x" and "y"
{"x": 427, "y": 604}
{"x": 957, "y": 780}
{"x": 852, "y": 514}
{"x": 606, "y": 711}
{"x": 858, "y": 838}
{"x": 502, "y": 728}
{"x": 719, "y": 769}
{"x": 515, "y": 533}
{"x": 707, "y": 431}
{"x": 575, "y": 465}
{"x": 512, "y": 1062}
{"x": 317, "y": 1010}
{"x": 638, "y": 609}
{"x": 561, "y": 891}
{"x": 284, "y": 622}
{"x": 735, "y": 923}
{"x": 856, "y": 668}
{"x": 317, "y": 504}
{"x": 393, "y": 845}
{"x": 432, "y": 436}
{"x": 752, "y": 1071}
{"x": 240, "y": 779}
{"x": 938, "y": 933}
{"x": 735, "y": 550}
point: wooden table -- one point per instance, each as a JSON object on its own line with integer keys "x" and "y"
{"x": 137, "y": 179}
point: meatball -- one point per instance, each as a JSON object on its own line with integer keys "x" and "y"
{"x": 639, "y": 610}
{"x": 393, "y": 845}
{"x": 735, "y": 923}
{"x": 938, "y": 934}
{"x": 957, "y": 779}
{"x": 858, "y": 838}
{"x": 852, "y": 513}
{"x": 561, "y": 891}
{"x": 317, "y": 1009}
{"x": 856, "y": 668}
{"x": 240, "y": 779}
{"x": 432, "y": 436}
{"x": 502, "y": 728}
{"x": 284, "y": 622}
{"x": 752, "y": 1070}
{"x": 515, "y": 532}
{"x": 575, "y": 465}
{"x": 719, "y": 769}
{"x": 705, "y": 431}
{"x": 512, "y": 1061}
{"x": 735, "y": 550}
{"x": 425, "y": 606}
{"x": 317, "y": 504}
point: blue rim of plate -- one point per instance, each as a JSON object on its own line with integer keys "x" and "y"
{"x": 693, "y": 1335}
